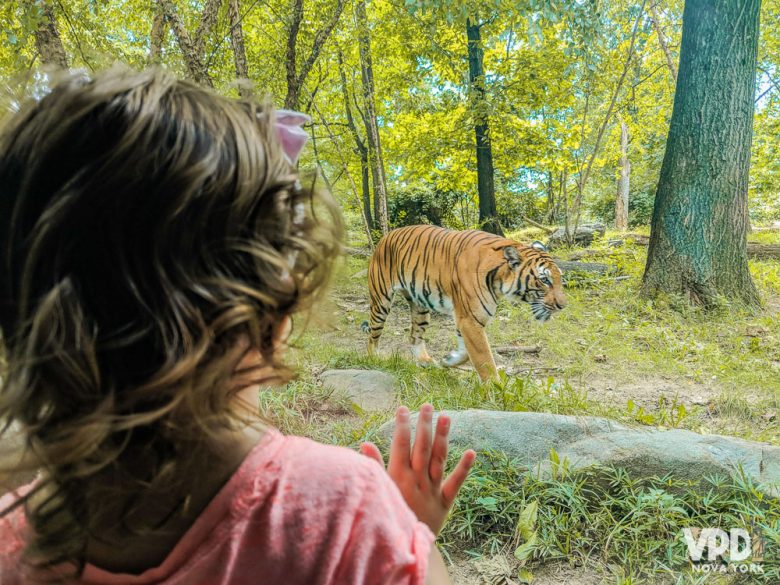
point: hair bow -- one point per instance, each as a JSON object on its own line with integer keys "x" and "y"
{"x": 290, "y": 133}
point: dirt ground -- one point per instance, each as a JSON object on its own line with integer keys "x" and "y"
{"x": 502, "y": 571}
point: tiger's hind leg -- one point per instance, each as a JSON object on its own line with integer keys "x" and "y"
{"x": 457, "y": 356}
{"x": 420, "y": 320}
{"x": 380, "y": 307}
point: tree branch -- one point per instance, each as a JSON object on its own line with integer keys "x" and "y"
{"x": 195, "y": 66}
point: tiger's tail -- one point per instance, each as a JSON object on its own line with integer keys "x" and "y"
{"x": 364, "y": 327}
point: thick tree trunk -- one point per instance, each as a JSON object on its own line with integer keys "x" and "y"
{"x": 621, "y": 201}
{"x": 662, "y": 41}
{"x": 47, "y": 37}
{"x": 372, "y": 128}
{"x": 239, "y": 51}
{"x": 488, "y": 217}
{"x": 698, "y": 241}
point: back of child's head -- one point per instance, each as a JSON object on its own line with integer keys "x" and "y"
{"x": 151, "y": 233}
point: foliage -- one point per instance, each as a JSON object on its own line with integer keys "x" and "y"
{"x": 551, "y": 68}
{"x": 632, "y": 528}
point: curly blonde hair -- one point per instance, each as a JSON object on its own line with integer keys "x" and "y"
{"x": 148, "y": 228}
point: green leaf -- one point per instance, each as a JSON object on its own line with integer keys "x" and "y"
{"x": 525, "y": 550}
{"x": 526, "y": 524}
{"x": 525, "y": 576}
{"x": 488, "y": 503}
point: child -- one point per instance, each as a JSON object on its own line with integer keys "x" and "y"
{"x": 154, "y": 241}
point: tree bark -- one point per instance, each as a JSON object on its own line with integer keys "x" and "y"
{"x": 158, "y": 35}
{"x": 662, "y": 41}
{"x": 550, "y": 198}
{"x": 360, "y": 146}
{"x": 372, "y": 128}
{"x": 621, "y": 201}
{"x": 488, "y": 217}
{"x": 208, "y": 19}
{"x": 47, "y": 37}
{"x": 698, "y": 241}
{"x": 239, "y": 51}
{"x": 295, "y": 78}
{"x": 192, "y": 58}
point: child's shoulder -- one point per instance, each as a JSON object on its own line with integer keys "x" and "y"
{"x": 302, "y": 464}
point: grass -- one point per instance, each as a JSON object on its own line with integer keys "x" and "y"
{"x": 610, "y": 353}
{"x": 632, "y": 530}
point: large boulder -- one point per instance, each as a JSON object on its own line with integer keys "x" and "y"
{"x": 582, "y": 237}
{"x": 528, "y": 437}
{"x": 367, "y": 389}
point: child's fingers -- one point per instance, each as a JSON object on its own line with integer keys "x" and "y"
{"x": 452, "y": 485}
{"x": 439, "y": 449}
{"x": 421, "y": 452}
{"x": 401, "y": 445}
{"x": 372, "y": 451}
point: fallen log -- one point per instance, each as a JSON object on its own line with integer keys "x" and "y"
{"x": 591, "y": 267}
{"x": 538, "y": 225}
{"x": 513, "y": 349}
{"x": 763, "y": 251}
{"x": 754, "y": 249}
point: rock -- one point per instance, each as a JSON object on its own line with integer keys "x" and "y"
{"x": 582, "y": 237}
{"x": 368, "y": 389}
{"x": 528, "y": 437}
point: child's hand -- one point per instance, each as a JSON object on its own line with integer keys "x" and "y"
{"x": 418, "y": 472}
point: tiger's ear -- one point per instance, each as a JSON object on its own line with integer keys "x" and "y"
{"x": 512, "y": 256}
{"x": 539, "y": 246}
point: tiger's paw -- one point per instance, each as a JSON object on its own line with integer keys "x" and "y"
{"x": 455, "y": 358}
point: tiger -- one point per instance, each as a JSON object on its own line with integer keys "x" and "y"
{"x": 460, "y": 273}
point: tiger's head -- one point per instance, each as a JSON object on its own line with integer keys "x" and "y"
{"x": 535, "y": 279}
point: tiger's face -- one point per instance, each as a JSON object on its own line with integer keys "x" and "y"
{"x": 536, "y": 280}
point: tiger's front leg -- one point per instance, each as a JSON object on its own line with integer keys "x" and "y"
{"x": 457, "y": 356}
{"x": 478, "y": 347}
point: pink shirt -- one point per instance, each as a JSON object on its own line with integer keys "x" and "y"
{"x": 295, "y": 513}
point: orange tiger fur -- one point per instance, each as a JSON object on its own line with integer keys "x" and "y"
{"x": 463, "y": 274}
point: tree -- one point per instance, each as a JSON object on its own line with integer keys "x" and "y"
{"x": 372, "y": 127}
{"x": 621, "y": 201}
{"x": 47, "y": 37}
{"x": 360, "y": 145}
{"x": 296, "y": 75}
{"x": 192, "y": 49}
{"x": 488, "y": 219}
{"x": 698, "y": 241}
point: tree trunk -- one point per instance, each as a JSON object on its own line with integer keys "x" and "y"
{"x": 158, "y": 35}
{"x": 360, "y": 146}
{"x": 239, "y": 51}
{"x": 550, "y": 198}
{"x": 197, "y": 69}
{"x": 47, "y": 37}
{"x": 488, "y": 217}
{"x": 295, "y": 78}
{"x": 372, "y": 128}
{"x": 662, "y": 41}
{"x": 621, "y": 202}
{"x": 208, "y": 19}
{"x": 698, "y": 241}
